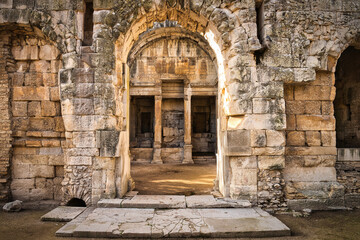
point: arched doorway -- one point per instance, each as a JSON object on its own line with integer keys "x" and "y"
{"x": 347, "y": 102}
{"x": 347, "y": 114}
{"x": 173, "y": 89}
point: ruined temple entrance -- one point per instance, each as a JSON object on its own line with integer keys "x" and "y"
{"x": 173, "y": 89}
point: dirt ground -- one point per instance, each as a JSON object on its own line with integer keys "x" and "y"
{"x": 169, "y": 179}
{"x": 324, "y": 225}
{"x": 188, "y": 179}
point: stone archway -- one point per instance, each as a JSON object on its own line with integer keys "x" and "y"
{"x": 192, "y": 23}
{"x": 171, "y": 68}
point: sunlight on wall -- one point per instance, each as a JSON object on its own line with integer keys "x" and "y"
{"x": 210, "y": 36}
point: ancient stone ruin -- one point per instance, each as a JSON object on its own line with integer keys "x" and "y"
{"x": 266, "y": 89}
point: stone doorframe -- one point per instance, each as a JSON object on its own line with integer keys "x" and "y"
{"x": 234, "y": 109}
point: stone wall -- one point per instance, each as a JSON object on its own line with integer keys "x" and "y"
{"x": 311, "y": 142}
{"x": 348, "y": 174}
{"x": 37, "y": 125}
{"x": 255, "y": 46}
{"x": 6, "y": 67}
{"x": 181, "y": 57}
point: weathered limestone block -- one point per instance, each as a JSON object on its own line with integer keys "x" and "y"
{"x": 268, "y": 151}
{"x": 34, "y": 109}
{"x": 54, "y": 94}
{"x": 84, "y": 90}
{"x": 258, "y": 138}
{"x": 311, "y": 92}
{"x": 79, "y": 160}
{"x": 25, "y": 52}
{"x": 33, "y": 143}
{"x": 44, "y": 171}
{"x": 70, "y": 60}
{"x": 33, "y": 79}
{"x": 311, "y": 174}
{"x": 6, "y": 4}
{"x": 109, "y": 141}
{"x": 56, "y": 161}
{"x": 14, "y": 206}
{"x": 172, "y": 155}
{"x": 244, "y": 162}
{"x": 23, "y": 4}
{"x": 295, "y": 138}
{"x": 31, "y": 93}
{"x": 310, "y": 161}
{"x": 40, "y": 66}
{"x": 238, "y": 142}
{"x": 48, "y": 52}
{"x": 50, "y": 143}
{"x": 50, "y": 79}
{"x": 104, "y": 163}
{"x": 243, "y": 182}
{"x": 327, "y": 108}
{"x": 83, "y": 106}
{"x": 271, "y": 162}
{"x": 275, "y": 138}
{"x": 55, "y": 66}
{"x": 313, "y": 138}
{"x": 258, "y": 121}
{"x": 18, "y": 184}
{"x": 309, "y": 122}
{"x": 328, "y": 138}
{"x": 49, "y": 109}
{"x": 40, "y": 124}
{"x": 104, "y": 4}
{"x": 311, "y": 151}
{"x": 83, "y": 152}
{"x": 84, "y": 139}
{"x": 19, "y": 109}
{"x": 313, "y": 107}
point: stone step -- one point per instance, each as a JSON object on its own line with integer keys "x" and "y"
{"x": 156, "y": 223}
{"x": 63, "y": 214}
{"x": 204, "y": 159}
{"x": 173, "y": 201}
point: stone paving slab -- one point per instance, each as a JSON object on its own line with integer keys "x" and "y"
{"x": 110, "y": 203}
{"x": 63, "y": 214}
{"x": 158, "y": 223}
{"x": 68, "y": 229}
{"x": 116, "y": 222}
{"x": 155, "y": 201}
{"x": 208, "y": 201}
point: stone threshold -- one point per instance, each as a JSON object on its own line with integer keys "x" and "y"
{"x": 173, "y": 202}
{"x": 186, "y": 222}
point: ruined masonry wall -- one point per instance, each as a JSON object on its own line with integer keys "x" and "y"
{"x": 274, "y": 152}
{"x": 6, "y": 63}
{"x": 37, "y": 165}
{"x": 173, "y": 56}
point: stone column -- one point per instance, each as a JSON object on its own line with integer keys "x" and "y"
{"x": 187, "y": 126}
{"x": 157, "y": 131}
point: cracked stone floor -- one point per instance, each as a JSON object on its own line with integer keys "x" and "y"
{"x": 159, "y": 216}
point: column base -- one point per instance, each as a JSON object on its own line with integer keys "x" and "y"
{"x": 188, "y": 155}
{"x": 157, "y": 156}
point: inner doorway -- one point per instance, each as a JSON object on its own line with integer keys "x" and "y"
{"x": 173, "y": 88}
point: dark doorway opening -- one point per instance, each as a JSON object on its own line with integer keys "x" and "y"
{"x": 76, "y": 202}
{"x": 203, "y": 120}
{"x": 347, "y": 101}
